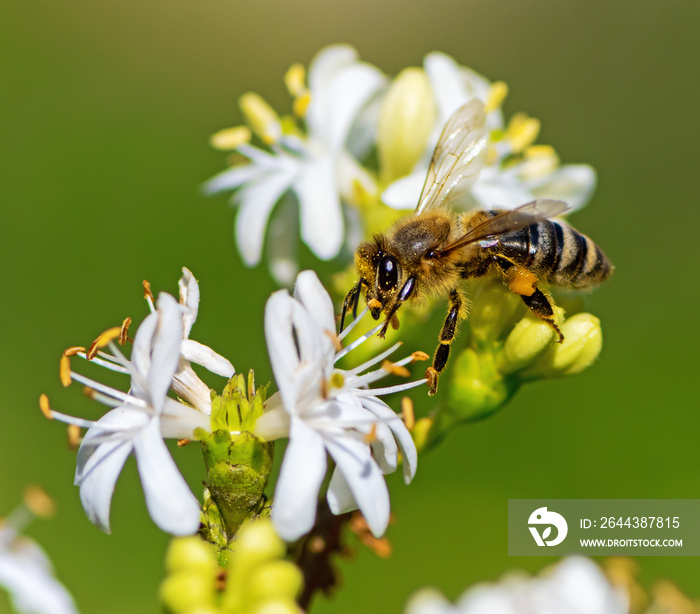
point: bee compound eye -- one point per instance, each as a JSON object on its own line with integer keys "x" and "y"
{"x": 388, "y": 273}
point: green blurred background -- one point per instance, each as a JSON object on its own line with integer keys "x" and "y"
{"x": 106, "y": 111}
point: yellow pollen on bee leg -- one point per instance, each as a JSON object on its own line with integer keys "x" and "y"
{"x": 390, "y": 367}
{"x": 522, "y": 131}
{"x": 407, "y": 413}
{"x": 497, "y": 94}
{"x": 74, "y": 437}
{"x": 44, "y": 406}
{"x": 124, "y": 331}
{"x": 230, "y": 138}
{"x": 374, "y": 304}
{"x": 109, "y": 335}
{"x": 36, "y": 499}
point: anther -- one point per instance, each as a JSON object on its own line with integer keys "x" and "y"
{"x": 230, "y": 138}
{"x": 416, "y": 356}
{"x": 372, "y": 435}
{"x": 124, "y": 332}
{"x": 39, "y": 503}
{"x": 109, "y": 335}
{"x": 394, "y": 369}
{"x": 44, "y": 406}
{"x": 74, "y": 437}
{"x": 496, "y": 96}
{"x": 407, "y": 413}
{"x": 148, "y": 295}
{"x": 181, "y": 443}
{"x": 89, "y": 392}
{"x": 337, "y": 344}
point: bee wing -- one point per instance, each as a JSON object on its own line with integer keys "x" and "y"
{"x": 458, "y": 157}
{"x": 510, "y": 221}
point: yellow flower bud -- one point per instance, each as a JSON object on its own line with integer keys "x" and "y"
{"x": 583, "y": 340}
{"x": 275, "y": 580}
{"x": 407, "y": 118}
{"x": 278, "y": 606}
{"x": 184, "y": 591}
{"x": 190, "y": 554}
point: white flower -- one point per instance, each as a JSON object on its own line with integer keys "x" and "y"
{"x": 516, "y": 171}
{"x": 318, "y": 167}
{"x": 26, "y": 572}
{"x": 574, "y": 586}
{"x": 138, "y": 423}
{"x": 323, "y": 409}
{"x": 186, "y": 384}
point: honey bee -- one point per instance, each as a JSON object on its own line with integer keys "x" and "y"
{"x": 429, "y": 253}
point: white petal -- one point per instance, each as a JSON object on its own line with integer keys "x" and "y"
{"x": 170, "y": 502}
{"x": 320, "y": 210}
{"x": 201, "y": 354}
{"x": 573, "y": 183}
{"x": 189, "y": 297}
{"x": 429, "y": 601}
{"x": 31, "y": 586}
{"x": 340, "y": 498}
{"x": 187, "y": 385}
{"x": 296, "y": 369}
{"x": 179, "y": 421}
{"x": 365, "y": 480}
{"x": 405, "y": 192}
{"x": 273, "y": 424}
{"x": 500, "y": 193}
{"x": 350, "y": 90}
{"x": 447, "y": 82}
{"x": 256, "y": 202}
{"x": 309, "y": 291}
{"x": 165, "y": 353}
{"x": 400, "y": 432}
{"x": 302, "y": 472}
{"x": 99, "y": 465}
{"x": 283, "y": 242}
{"x": 327, "y": 62}
{"x": 233, "y": 178}
{"x": 140, "y": 363}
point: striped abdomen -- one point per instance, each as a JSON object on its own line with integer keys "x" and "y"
{"x": 557, "y": 253}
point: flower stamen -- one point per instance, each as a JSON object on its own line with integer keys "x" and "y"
{"x": 44, "y": 406}
{"x": 74, "y": 436}
{"x": 395, "y": 369}
{"x": 407, "y": 414}
{"x": 102, "y": 340}
{"x": 124, "y": 333}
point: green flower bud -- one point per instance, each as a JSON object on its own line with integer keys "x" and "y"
{"x": 184, "y": 591}
{"x": 275, "y": 580}
{"x": 528, "y": 339}
{"x": 494, "y": 311}
{"x": 583, "y": 340}
{"x": 258, "y": 543}
{"x": 190, "y": 554}
{"x": 407, "y": 117}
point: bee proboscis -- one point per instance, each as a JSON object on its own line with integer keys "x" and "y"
{"x": 429, "y": 253}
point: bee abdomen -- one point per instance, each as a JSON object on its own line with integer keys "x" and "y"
{"x": 561, "y": 255}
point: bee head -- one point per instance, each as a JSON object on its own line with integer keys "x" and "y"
{"x": 382, "y": 273}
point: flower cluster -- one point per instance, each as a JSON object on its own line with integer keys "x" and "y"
{"x": 316, "y": 163}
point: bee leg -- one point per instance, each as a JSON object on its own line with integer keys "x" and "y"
{"x": 404, "y": 295}
{"x": 352, "y": 298}
{"x": 524, "y": 283}
{"x": 541, "y": 305}
{"x": 447, "y": 335}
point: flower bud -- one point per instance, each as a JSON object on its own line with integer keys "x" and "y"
{"x": 278, "y": 606}
{"x": 493, "y": 312}
{"x": 189, "y": 554}
{"x": 583, "y": 340}
{"x": 185, "y": 591}
{"x": 275, "y": 580}
{"x": 407, "y": 117}
{"x": 528, "y": 339}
